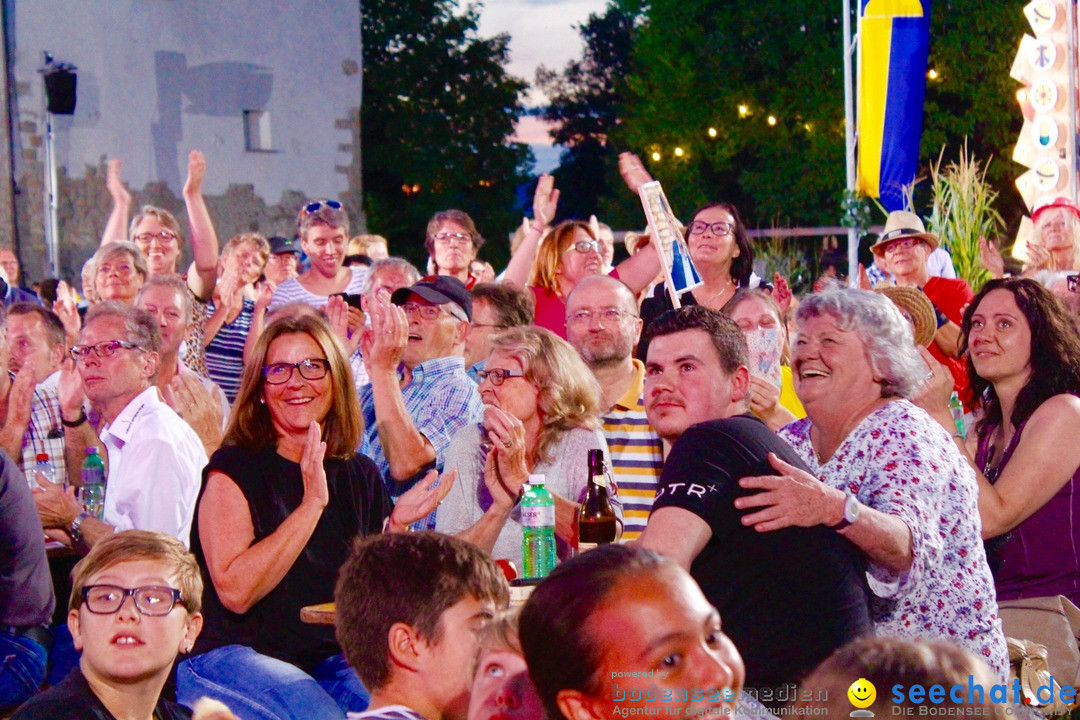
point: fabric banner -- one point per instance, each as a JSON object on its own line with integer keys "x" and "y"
{"x": 894, "y": 39}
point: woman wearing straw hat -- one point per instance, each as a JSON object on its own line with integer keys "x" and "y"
{"x": 905, "y": 246}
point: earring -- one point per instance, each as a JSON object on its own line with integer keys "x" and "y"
{"x": 262, "y": 401}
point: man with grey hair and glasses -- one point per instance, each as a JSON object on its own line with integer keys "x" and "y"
{"x": 155, "y": 458}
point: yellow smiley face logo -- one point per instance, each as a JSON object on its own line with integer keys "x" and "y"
{"x": 862, "y": 693}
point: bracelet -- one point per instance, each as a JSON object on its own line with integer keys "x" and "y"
{"x": 958, "y": 435}
{"x": 537, "y": 228}
{"x": 74, "y": 423}
{"x": 75, "y": 529}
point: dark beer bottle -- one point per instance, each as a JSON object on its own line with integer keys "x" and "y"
{"x": 597, "y": 523}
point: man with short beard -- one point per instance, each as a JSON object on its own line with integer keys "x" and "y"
{"x": 602, "y": 324}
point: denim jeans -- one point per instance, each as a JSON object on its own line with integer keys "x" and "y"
{"x": 258, "y": 687}
{"x": 22, "y": 669}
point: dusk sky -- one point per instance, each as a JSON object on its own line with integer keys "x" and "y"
{"x": 542, "y": 32}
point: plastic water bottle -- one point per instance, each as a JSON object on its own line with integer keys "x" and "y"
{"x": 92, "y": 492}
{"x": 45, "y": 467}
{"x": 538, "y": 529}
{"x": 957, "y": 409}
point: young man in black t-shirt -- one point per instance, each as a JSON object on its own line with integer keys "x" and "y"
{"x": 787, "y": 598}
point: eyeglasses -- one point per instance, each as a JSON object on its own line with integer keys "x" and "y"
{"x": 315, "y": 205}
{"x": 498, "y": 375}
{"x": 1074, "y": 283}
{"x": 584, "y": 246}
{"x": 698, "y": 227}
{"x": 584, "y": 317}
{"x": 452, "y": 238}
{"x": 428, "y": 312}
{"x": 310, "y": 369}
{"x": 152, "y": 600}
{"x": 902, "y": 243}
{"x": 103, "y": 349}
{"x": 164, "y": 238}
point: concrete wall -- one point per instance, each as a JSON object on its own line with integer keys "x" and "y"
{"x": 158, "y": 78}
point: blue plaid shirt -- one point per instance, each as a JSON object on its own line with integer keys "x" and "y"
{"x": 441, "y": 399}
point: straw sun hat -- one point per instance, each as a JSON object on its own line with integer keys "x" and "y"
{"x": 903, "y": 224}
{"x": 916, "y": 307}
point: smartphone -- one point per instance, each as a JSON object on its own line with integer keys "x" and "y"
{"x": 352, "y": 299}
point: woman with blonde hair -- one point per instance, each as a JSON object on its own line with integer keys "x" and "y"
{"x": 502, "y": 688}
{"x": 281, "y": 503}
{"x": 119, "y": 270}
{"x": 541, "y": 416}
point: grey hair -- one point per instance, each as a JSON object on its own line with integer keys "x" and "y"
{"x": 890, "y": 344}
{"x": 140, "y": 327}
{"x": 172, "y": 282}
{"x": 111, "y": 249}
{"x": 395, "y": 263}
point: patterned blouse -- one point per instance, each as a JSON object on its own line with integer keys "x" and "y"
{"x": 899, "y": 461}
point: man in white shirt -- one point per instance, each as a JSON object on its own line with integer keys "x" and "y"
{"x": 155, "y": 458}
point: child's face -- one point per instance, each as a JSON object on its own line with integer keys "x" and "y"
{"x": 449, "y": 661}
{"x": 127, "y": 646}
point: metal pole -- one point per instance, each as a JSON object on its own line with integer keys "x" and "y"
{"x": 849, "y": 140}
{"x": 1072, "y": 143}
{"x": 51, "y": 184}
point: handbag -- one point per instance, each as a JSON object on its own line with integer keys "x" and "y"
{"x": 1050, "y": 622}
{"x": 1028, "y": 664}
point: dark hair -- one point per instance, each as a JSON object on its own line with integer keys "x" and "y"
{"x": 513, "y": 307}
{"x": 351, "y": 260}
{"x": 727, "y": 338}
{"x": 1055, "y": 352}
{"x": 554, "y": 628}
{"x": 458, "y": 216}
{"x": 54, "y": 329}
{"x": 410, "y": 578}
{"x": 742, "y": 266}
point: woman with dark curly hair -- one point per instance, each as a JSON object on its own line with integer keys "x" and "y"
{"x": 1024, "y": 363}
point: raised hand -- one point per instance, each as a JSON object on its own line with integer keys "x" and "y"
{"x": 196, "y": 173}
{"x": 781, "y": 293}
{"x": 311, "y": 468}
{"x": 115, "y": 184}
{"x": 186, "y": 395}
{"x": 264, "y": 294}
{"x": 991, "y": 258}
{"x": 69, "y": 389}
{"x": 545, "y": 200}
{"x": 633, "y": 171}
{"x": 864, "y": 278}
{"x": 340, "y": 319}
{"x": 506, "y": 467}
{"x": 1038, "y": 258}
{"x": 383, "y": 344}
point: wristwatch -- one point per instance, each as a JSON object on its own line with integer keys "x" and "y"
{"x": 852, "y": 507}
{"x": 75, "y": 529}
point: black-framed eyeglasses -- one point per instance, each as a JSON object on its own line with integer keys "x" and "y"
{"x": 164, "y": 237}
{"x": 584, "y": 317}
{"x": 315, "y": 205}
{"x": 1073, "y": 282}
{"x": 497, "y": 375}
{"x": 584, "y": 246}
{"x": 452, "y": 238}
{"x": 698, "y": 227}
{"x": 310, "y": 369}
{"x": 103, "y": 349}
{"x": 152, "y": 600}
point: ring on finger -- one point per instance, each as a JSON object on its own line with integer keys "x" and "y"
{"x": 507, "y": 444}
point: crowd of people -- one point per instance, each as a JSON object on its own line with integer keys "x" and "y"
{"x": 306, "y": 418}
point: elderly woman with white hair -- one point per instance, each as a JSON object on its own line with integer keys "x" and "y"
{"x": 893, "y": 482}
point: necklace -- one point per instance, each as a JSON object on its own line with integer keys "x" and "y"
{"x": 712, "y": 297}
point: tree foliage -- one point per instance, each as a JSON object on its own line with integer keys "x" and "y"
{"x": 438, "y": 111}
{"x": 585, "y": 105}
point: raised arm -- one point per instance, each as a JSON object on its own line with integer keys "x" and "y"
{"x": 117, "y": 226}
{"x": 204, "y": 242}
{"x": 641, "y": 268}
{"x": 244, "y": 573}
{"x": 406, "y": 449}
{"x": 545, "y": 202}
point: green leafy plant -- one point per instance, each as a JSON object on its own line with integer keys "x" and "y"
{"x": 963, "y": 211}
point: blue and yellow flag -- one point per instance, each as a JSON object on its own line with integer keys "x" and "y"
{"x": 894, "y": 39}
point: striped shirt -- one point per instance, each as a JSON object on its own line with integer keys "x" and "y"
{"x": 292, "y": 291}
{"x": 441, "y": 399}
{"x": 637, "y": 455}
{"x": 225, "y": 351}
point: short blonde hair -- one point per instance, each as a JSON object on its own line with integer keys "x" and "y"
{"x": 549, "y": 254}
{"x": 252, "y": 427}
{"x": 131, "y": 545}
{"x": 119, "y": 247}
{"x": 360, "y": 243}
{"x": 255, "y": 239}
{"x": 569, "y": 394}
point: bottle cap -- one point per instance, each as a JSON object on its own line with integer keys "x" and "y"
{"x": 42, "y": 457}
{"x": 536, "y": 479}
{"x": 92, "y": 450}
